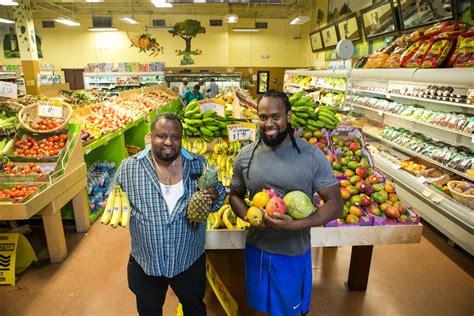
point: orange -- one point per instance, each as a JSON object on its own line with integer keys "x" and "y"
{"x": 261, "y": 199}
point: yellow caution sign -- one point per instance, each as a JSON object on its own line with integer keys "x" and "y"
{"x": 16, "y": 254}
{"x": 228, "y": 303}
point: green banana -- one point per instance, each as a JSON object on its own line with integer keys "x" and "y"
{"x": 209, "y": 114}
{"x": 206, "y": 131}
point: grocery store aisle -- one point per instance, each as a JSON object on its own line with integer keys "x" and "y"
{"x": 405, "y": 280}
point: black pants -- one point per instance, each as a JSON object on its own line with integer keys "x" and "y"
{"x": 150, "y": 291}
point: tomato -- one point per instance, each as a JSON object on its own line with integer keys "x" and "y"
{"x": 63, "y": 136}
{"x": 56, "y": 138}
{"x": 62, "y": 144}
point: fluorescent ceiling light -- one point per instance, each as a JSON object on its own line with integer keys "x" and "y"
{"x": 199, "y": 1}
{"x": 161, "y": 4}
{"x": 94, "y": 1}
{"x": 299, "y": 20}
{"x": 103, "y": 29}
{"x": 8, "y": 3}
{"x": 129, "y": 20}
{"x": 245, "y": 29}
{"x": 2, "y": 20}
{"x": 231, "y": 18}
{"x": 67, "y": 22}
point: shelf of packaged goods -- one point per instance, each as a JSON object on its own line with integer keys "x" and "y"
{"x": 387, "y": 95}
{"x": 459, "y": 138}
{"x": 456, "y": 221}
{"x": 124, "y": 74}
{"x": 454, "y": 76}
{"x": 318, "y": 73}
{"x": 415, "y": 154}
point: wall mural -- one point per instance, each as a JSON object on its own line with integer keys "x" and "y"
{"x": 146, "y": 44}
{"x": 11, "y": 48}
{"x": 187, "y": 30}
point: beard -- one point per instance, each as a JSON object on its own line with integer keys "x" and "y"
{"x": 166, "y": 156}
{"x": 275, "y": 140}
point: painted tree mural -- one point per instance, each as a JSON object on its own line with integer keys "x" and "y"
{"x": 187, "y": 30}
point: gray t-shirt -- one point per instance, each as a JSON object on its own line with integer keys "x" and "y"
{"x": 283, "y": 170}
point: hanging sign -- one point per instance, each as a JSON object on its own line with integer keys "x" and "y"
{"x": 214, "y": 105}
{"x": 8, "y": 90}
{"x": 50, "y": 110}
{"x": 242, "y": 132}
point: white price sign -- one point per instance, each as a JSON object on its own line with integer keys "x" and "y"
{"x": 426, "y": 193}
{"x": 241, "y": 132}
{"x": 8, "y": 90}
{"x": 49, "y": 110}
{"x": 213, "y": 105}
{"x": 421, "y": 179}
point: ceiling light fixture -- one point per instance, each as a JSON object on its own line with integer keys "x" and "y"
{"x": 129, "y": 20}
{"x": 8, "y": 3}
{"x": 161, "y": 4}
{"x": 103, "y": 29}
{"x": 2, "y": 20}
{"x": 245, "y": 29}
{"x": 299, "y": 20}
{"x": 94, "y": 1}
{"x": 67, "y": 22}
{"x": 231, "y": 18}
{"x": 199, "y": 1}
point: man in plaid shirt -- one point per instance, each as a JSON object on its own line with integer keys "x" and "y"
{"x": 166, "y": 250}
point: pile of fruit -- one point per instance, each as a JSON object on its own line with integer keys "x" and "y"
{"x": 239, "y": 99}
{"x": 86, "y": 136}
{"x": 317, "y": 138}
{"x": 12, "y": 169}
{"x": 412, "y": 167}
{"x": 18, "y": 192}
{"x": 80, "y": 97}
{"x": 207, "y": 125}
{"x": 306, "y": 114}
{"x": 45, "y": 124}
{"x": 107, "y": 117}
{"x": 39, "y": 147}
{"x": 117, "y": 208}
{"x": 451, "y": 157}
{"x": 225, "y": 218}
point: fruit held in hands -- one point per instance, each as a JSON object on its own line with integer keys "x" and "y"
{"x": 255, "y": 216}
{"x": 275, "y": 204}
{"x": 298, "y": 204}
{"x": 200, "y": 205}
{"x": 261, "y": 199}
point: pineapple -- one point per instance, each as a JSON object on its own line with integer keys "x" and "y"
{"x": 200, "y": 205}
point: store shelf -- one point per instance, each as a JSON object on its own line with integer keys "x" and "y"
{"x": 463, "y": 139}
{"x": 455, "y": 220}
{"x": 453, "y": 76}
{"x": 415, "y": 154}
{"x": 124, "y": 74}
{"x": 319, "y": 73}
{"x": 407, "y": 97}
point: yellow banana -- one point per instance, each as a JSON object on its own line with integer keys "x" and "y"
{"x": 210, "y": 221}
{"x": 125, "y": 210}
{"x": 109, "y": 206}
{"x": 116, "y": 214}
{"x": 242, "y": 224}
{"x": 227, "y": 219}
{"x": 217, "y": 220}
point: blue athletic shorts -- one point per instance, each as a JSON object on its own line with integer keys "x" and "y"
{"x": 278, "y": 284}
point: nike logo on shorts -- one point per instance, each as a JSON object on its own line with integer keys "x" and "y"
{"x": 295, "y": 307}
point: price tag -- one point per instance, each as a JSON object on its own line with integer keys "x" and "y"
{"x": 437, "y": 198}
{"x": 49, "y": 110}
{"x": 242, "y": 132}
{"x": 388, "y": 96}
{"x": 214, "y": 105}
{"x": 88, "y": 150}
{"x": 421, "y": 179}
{"x": 380, "y": 112}
{"x": 8, "y": 90}
{"x": 426, "y": 193}
{"x": 107, "y": 139}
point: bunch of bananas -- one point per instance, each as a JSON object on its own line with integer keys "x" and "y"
{"x": 206, "y": 125}
{"x": 220, "y": 146}
{"x": 117, "y": 208}
{"x": 225, "y": 218}
{"x": 327, "y": 115}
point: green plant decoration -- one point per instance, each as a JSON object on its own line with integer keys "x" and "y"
{"x": 187, "y": 30}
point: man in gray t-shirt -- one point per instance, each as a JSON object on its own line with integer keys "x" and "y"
{"x": 278, "y": 258}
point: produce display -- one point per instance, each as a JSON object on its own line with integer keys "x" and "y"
{"x": 225, "y": 218}
{"x": 6, "y": 143}
{"x": 45, "y": 124}
{"x": 99, "y": 177}
{"x": 80, "y": 98}
{"x": 313, "y": 82}
{"x": 39, "y": 146}
{"x": 18, "y": 192}
{"x": 240, "y": 100}
{"x": 412, "y": 167}
{"x": 117, "y": 209}
{"x": 19, "y": 169}
{"x": 454, "y": 121}
{"x": 444, "y": 44}
{"x": 8, "y": 121}
{"x": 206, "y": 125}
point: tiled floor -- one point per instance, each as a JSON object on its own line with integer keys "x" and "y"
{"x": 429, "y": 278}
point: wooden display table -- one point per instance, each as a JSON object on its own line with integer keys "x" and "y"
{"x": 224, "y": 248}
{"x": 48, "y": 203}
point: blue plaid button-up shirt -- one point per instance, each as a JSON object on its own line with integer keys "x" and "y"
{"x": 163, "y": 244}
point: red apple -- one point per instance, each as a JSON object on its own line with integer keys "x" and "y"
{"x": 361, "y": 172}
{"x": 373, "y": 179}
{"x": 354, "y": 146}
{"x": 365, "y": 200}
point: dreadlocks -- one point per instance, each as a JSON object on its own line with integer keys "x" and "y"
{"x": 284, "y": 98}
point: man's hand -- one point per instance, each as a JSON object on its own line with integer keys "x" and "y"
{"x": 212, "y": 194}
{"x": 280, "y": 221}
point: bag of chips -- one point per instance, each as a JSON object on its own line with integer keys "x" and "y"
{"x": 417, "y": 58}
{"x": 438, "y": 54}
{"x": 463, "y": 55}
{"x": 409, "y": 52}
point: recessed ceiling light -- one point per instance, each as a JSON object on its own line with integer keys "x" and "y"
{"x": 8, "y": 3}
{"x": 103, "y": 29}
{"x": 299, "y": 20}
{"x": 94, "y": 1}
{"x": 245, "y": 29}
{"x": 129, "y": 20}
{"x": 2, "y": 20}
{"x": 67, "y": 22}
{"x": 231, "y": 18}
{"x": 161, "y": 4}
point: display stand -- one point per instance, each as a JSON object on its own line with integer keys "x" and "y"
{"x": 224, "y": 248}
{"x": 48, "y": 203}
